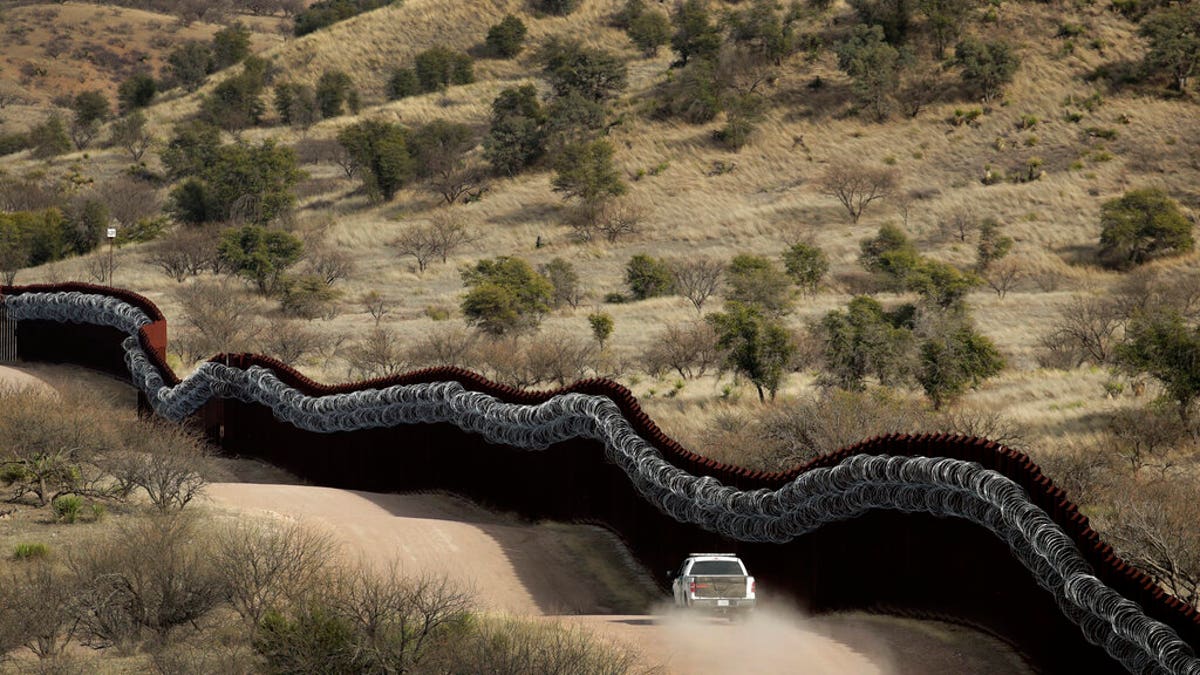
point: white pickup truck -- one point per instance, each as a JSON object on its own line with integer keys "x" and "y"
{"x": 713, "y": 582}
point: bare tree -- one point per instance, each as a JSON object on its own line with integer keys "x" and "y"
{"x": 179, "y": 255}
{"x": 166, "y": 461}
{"x": 419, "y": 243}
{"x": 1154, "y": 527}
{"x": 291, "y": 341}
{"x": 451, "y": 345}
{"x": 1003, "y": 276}
{"x": 618, "y": 219}
{"x": 857, "y": 185}
{"x": 448, "y": 233}
{"x": 378, "y": 354}
{"x": 130, "y": 133}
{"x": 101, "y": 267}
{"x": 331, "y": 264}
{"x": 14, "y": 256}
{"x": 375, "y": 305}
{"x": 958, "y": 223}
{"x": 36, "y": 610}
{"x": 697, "y": 279}
{"x": 130, "y": 200}
{"x": 217, "y": 319}
{"x": 265, "y": 565}
{"x": 1089, "y": 325}
{"x": 559, "y": 357}
{"x": 689, "y": 349}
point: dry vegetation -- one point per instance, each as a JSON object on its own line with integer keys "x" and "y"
{"x": 696, "y": 199}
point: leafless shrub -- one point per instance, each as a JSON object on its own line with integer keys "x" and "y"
{"x": 331, "y": 264}
{"x": 419, "y": 243}
{"x": 619, "y": 218}
{"x": 165, "y": 461}
{"x": 130, "y": 200}
{"x": 1146, "y": 436}
{"x": 36, "y": 604}
{"x": 697, "y": 279}
{"x": 101, "y": 267}
{"x": 1003, "y": 276}
{"x": 1147, "y": 289}
{"x": 1154, "y": 527}
{"x": 291, "y": 341}
{"x": 375, "y": 305}
{"x": 156, "y": 575}
{"x": 689, "y": 349}
{"x": 1047, "y": 281}
{"x": 451, "y": 345}
{"x": 958, "y": 224}
{"x": 378, "y": 354}
{"x": 1085, "y": 471}
{"x": 216, "y": 319}
{"x": 559, "y": 357}
{"x": 857, "y": 185}
{"x": 982, "y": 423}
{"x": 268, "y": 565}
{"x": 1089, "y": 326}
{"x": 30, "y": 194}
{"x": 449, "y": 232}
{"x": 180, "y": 255}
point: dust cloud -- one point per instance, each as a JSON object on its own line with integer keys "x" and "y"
{"x": 771, "y": 640}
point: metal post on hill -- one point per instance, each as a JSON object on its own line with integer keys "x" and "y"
{"x": 112, "y": 238}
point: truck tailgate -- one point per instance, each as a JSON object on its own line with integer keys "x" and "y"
{"x": 720, "y": 587}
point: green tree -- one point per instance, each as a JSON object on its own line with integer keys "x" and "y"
{"x": 944, "y": 20}
{"x": 1162, "y": 345}
{"x": 136, "y": 91}
{"x": 986, "y": 66}
{"x": 440, "y": 150}
{"x": 507, "y": 38}
{"x": 440, "y": 67}
{"x": 602, "y": 327}
{"x": 893, "y": 16}
{"x": 993, "y": 244}
{"x": 402, "y": 84}
{"x": 1173, "y": 34}
{"x": 296, "y": 104}
{"x": 90, "y": 108}
{"x": 572, "y": 119}
{"x": 259, "y": 254}
{"x": 380, "y": 150}
{"x": 756, "y": 346}
{"x": 230, "y": 45}
{"x": 890, "y": 253}
{"x": 763, "y": 31}
{"x": 516, "y": 138}
{"x": 505, "y": 295}
{"x": 629, "y": 11}
{"x": 248, "y": 182}
{"x": 557, "y": 7}
{"x": 585, "y": 172}
{"x": 84, "y": 222}
{"x": 192, "y": 148}
{"x": 941, "y": 284}
{"x": 565, "y": 280}
{"x": 130, "y": 133}
{"x": 334, "y": 89}
{"x": 649, "y": 277}
{"x": 807, "y": 265}
{"x": 49, "y": 139}
{"x": 866, "y": 340}
{"x": 954, "y": 358}
{"x": 692, "y": 94}
{"x": 236, "y": 103}
{"x": 758, "y": 282}
{"x": 572, "y": 68}
{"x": 874, "y": 66}
{"x": 649, "y": 31}
{"x": 696, "y": 36}
{"x": 189, "y": 64}
{"x": 1141, "y": 225}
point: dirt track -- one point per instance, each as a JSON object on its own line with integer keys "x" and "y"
{"x": 530, "y": 570}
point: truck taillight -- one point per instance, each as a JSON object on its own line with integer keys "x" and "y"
{"x": 692, "y": 587}
{"x": 753, "y": 586}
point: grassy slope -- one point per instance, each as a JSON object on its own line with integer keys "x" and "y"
{"x": 766, "y": 201}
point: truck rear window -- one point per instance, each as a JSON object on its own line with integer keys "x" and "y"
{"x": 701, "y": 567}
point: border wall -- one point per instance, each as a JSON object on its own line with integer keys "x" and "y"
{"x": 909, "y": 564}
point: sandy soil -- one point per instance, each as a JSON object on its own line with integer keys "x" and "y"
{"x": 528, "y": 569}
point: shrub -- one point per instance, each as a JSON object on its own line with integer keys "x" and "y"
{"x": 856, "y": 186}
{"x": 31, "y": 551}
{"x": 572, "y": 68}
{"x": 259, "y": 254}
{"x": 67, "y": 508}
{"x": 987, "y": 66}
{"x": 136, "y": 91}
{"x": 504, "y": 295}
{"x": 875, "y": 66}
{"x": 649, "y": 31}
{"x": 189, "y": 64}
{"x": 230, "y": 45}
{"x": 1142, "y": 225}
{"x": 696, "y": 35}
{"x": 507, "y": 38}
{"x": 307, "y": 296}
{"x": 165, "y": 461}
{"x": 1173, "y": 34}
{"x": 240, "y": 182}
{"x": 380, "y": 152}
{"x": 334, "y": 90}
{"x": 585, "y": 171}
{"x": 296, "y": 104}
{"x": 557, "y": 7}
{"x": 49, "y": 139}
{"x": 648, "y": 277}
{"x": 324, "y": 13}
{"x": 756, "y": 346}
{"x": 565, "y": 280}
{"x": 807, "y": 265}
{"x": 516, "y": 138}
{"x": 440, "y": 67}
{"x": 689, "y": 349}
{"x": 602, "y": 326}
{"x": 402, "y": 84}
{"x": 757, "y": 281}
{"x": 236, "y": 103}
{"x": 866, "y": 340}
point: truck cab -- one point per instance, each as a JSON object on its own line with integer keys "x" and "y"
{"x": 713, "y": 582}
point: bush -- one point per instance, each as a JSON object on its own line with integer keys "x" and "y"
{"x": 334, "y": 90}
{"x": 758, "y": 282}
{"x": 259, "y": 254}
{"x": 380, "y": 152}
{"x": 689, "y": 349}
{"x": 565, "y": 280}
{"x": 440, "y": 67}
{"x": 504, "y": 295}
{"x": 507, "y": 38}
{"x": 49, "y": 139}
{"x": 649, "y": 31}
{"x": 324, "y": 13}
{"x": 1142, "y": 225}
{"x": 516, "y": 138}
{"x": 595, "y": 74}
{"x": 31, "y": 551}
{"x": 648, "y": 277}
{"x": 307, "y": 296}
{"x": 557, "y": 7}
{"x": 137, "y": 91}
{"x": 241, "y": 183}
{"x": 67, "y": 508}
{"x": 12, "y": 143}
{"x": 402, "y": 84}
{"x": 987, "y": 66}
{"x": 236, "y": 103}
{"x": 807, "y": 265}
{"x": 165, "y": 461}
{"x": 230, "y": 45}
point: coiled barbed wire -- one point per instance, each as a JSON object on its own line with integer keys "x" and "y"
{"x": 938, "y": 486}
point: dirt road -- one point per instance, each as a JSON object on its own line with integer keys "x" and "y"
{"x": 532, "y": 570}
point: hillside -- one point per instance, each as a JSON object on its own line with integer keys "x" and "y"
{"x": 1079, "y": 141}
